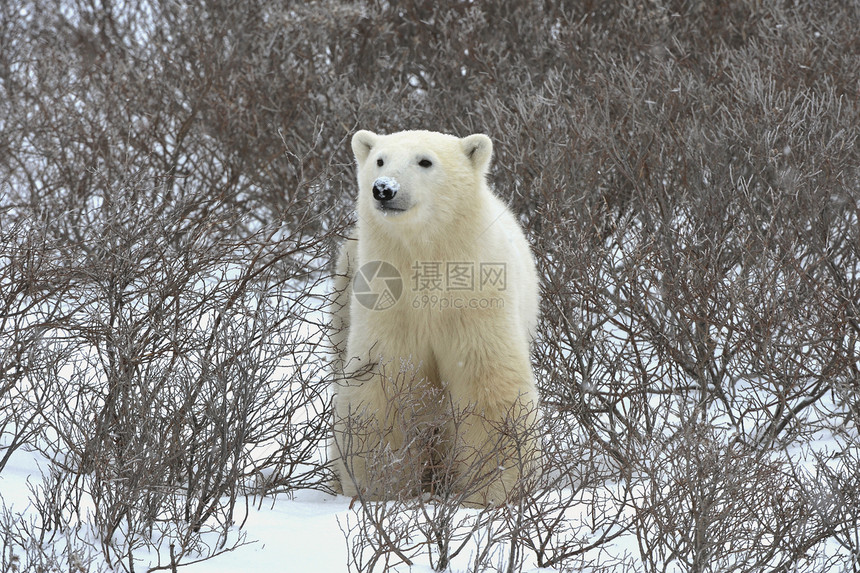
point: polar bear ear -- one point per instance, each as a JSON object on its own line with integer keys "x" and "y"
{"x": 479, "y": 149}
{"x": 362, "y": 142}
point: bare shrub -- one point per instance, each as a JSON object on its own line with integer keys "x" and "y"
{"x": 186, "y": 373}
{"x": 162, "y": 293}
{"x": 711, "y": 507}
{"x": 570, "y": 511}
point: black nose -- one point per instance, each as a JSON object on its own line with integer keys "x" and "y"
{"x": 382, "y": 191}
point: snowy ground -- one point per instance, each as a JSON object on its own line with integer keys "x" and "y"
{"x": 299, "y": 534}
{"x": 302, "y": 533}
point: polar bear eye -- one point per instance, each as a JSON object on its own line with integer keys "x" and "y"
{"x": 425, "y": 163}
{"x": 380, "y": 162}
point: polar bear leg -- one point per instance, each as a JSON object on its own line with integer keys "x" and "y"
{"x": 494, "y": 428}
{"x": 384, "y": 426}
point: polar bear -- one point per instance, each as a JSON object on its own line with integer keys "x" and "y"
{"x": 435, "y": 306}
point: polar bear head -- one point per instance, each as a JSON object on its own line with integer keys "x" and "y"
{"x": 414, "y": 179}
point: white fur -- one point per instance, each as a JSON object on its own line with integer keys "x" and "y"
{"x": 476, "y": 357}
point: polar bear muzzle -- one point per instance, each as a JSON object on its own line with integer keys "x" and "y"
{"x": 385, "y": 191}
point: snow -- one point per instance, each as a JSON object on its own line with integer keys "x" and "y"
{"x": 389, "y": 183}
{"x": 299, "y": 534}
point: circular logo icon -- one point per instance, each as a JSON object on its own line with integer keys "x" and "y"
{"x": 377, "y": 285}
